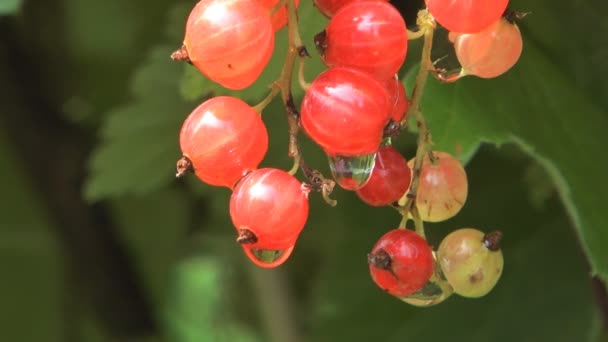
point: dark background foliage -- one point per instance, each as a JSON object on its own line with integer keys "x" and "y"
{"x": 98, "y": 241}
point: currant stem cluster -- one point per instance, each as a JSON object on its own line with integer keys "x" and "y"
{"x": 295, "y": 50}
{"x": 426, "y": 25}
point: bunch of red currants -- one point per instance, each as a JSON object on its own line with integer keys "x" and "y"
{"x": 352, "y": 110}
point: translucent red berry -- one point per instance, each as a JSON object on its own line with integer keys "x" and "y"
{"x": 390, "y": 179}
{"x": 368, "y": 35}
{"x": 230, "y": 41}
{"x": 279, "y": 19}
{"x": 397, "y": 98}
{"x": 222, "y": 139}
{"x": 269, "y": 208}
{"x": 401, "y": 262}
{"x": 344, "y": 111}
{"x": 442, "y": 188}
{"x": 466, "y": 16}
{"x": 330, "y": 7}
{"x": 491, "y": 52}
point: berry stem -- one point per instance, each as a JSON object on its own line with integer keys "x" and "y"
{"x": 274, "y": 91}
{"x": 427, "y": 26}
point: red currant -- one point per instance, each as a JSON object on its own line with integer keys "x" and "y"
{"x": 442, "y": 188}
{"x": 368, "y": 35}
{"x": 491, "y": 52}
{"x": 222, "y": 139}
{"x": 279, "y": 19}
{"x": 330, "y": 7}
{"x": 269, "y": 208}
{"x": 397, "y": 98}
{"x": 344, "y": 111}
{"x": 466, "y": 16}
{"x": 401, "y": 262}
{"x": 390, "y": 178}
{"x": 230, "y": 41}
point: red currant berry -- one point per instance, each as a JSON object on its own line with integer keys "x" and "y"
{"x": 368, "y": 35}
{"x": 222, "y": 139}
{"x": 344, "y": 111}
{"x": 491, "y": 52}
{"x": 397, "y": 98}
{"x": 279, "y": 19}
{"x": 466, "y": 16}
{"x": 230, "y": 41}
{"x": 390, "y": 178}
{"x": 401, "y": 262}
{"x": 442, "y": 188}
{"x": 330, "y": 7}
{"x": 269, "y": 208}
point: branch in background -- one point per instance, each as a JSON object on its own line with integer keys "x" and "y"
{"x": 53, "y": 154}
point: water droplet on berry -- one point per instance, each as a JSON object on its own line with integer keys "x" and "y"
{"x": 434, "y": 291}
{"x": 352, "y": 173}
{"x": 268, "y": 258}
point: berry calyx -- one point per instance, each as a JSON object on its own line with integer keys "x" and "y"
{"x": 390, "y": 178}
{"x": 344, "y": 111}
{"x": 471, "y": 261}
{"x": 442, "y": 188}
{"x": 401, "y": 262}
{"x": 491, "y": 52}
{"x": 269, "y": 208}
{"x": 229, "y": 41}
{"x": 466, "y": 16}
{"x": 367, "y": 35}
{"x": 221, "y": 140}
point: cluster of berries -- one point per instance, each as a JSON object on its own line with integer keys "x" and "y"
{"x": 349, "y": 110}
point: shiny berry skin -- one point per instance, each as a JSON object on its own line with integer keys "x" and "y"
{"x": 397, "y": 97}
{"x": 279, "y": 19}
{"x": 230, "y": 41}
{"x": 491, "y": 52}
{"x": 367, "y": 35}
{"x": 330, "y": 7}
{"x": 390, "y": 178}
{"x": 466, "y": 16}
{"x": 471, "y": 261}
{"x": 223, "y": 138}
{"x": 442, "y": 188}
{"x": 269, "y": 208}
{"x": 344, "y": 111}
{"x": 401, "y": 262}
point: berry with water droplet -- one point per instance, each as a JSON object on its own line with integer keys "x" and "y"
{"x": 221, "y": 140}
{"x": 390, "y": 178}
{"x": 344, "y": 111}
{"x": 471, "y": 261}
{"x": 401, "y": 262}
{"x": 351, "y": 173}
{"x": 269, "y": 208}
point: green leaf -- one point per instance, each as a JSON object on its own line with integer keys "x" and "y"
{"x": 139, "y": 146}
{"x": 544, "y": 284}
{"x": 8, "y": 7}
{"x": 541, "y": 108}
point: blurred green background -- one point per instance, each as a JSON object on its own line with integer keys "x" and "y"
{"x": 99, "y": 242}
